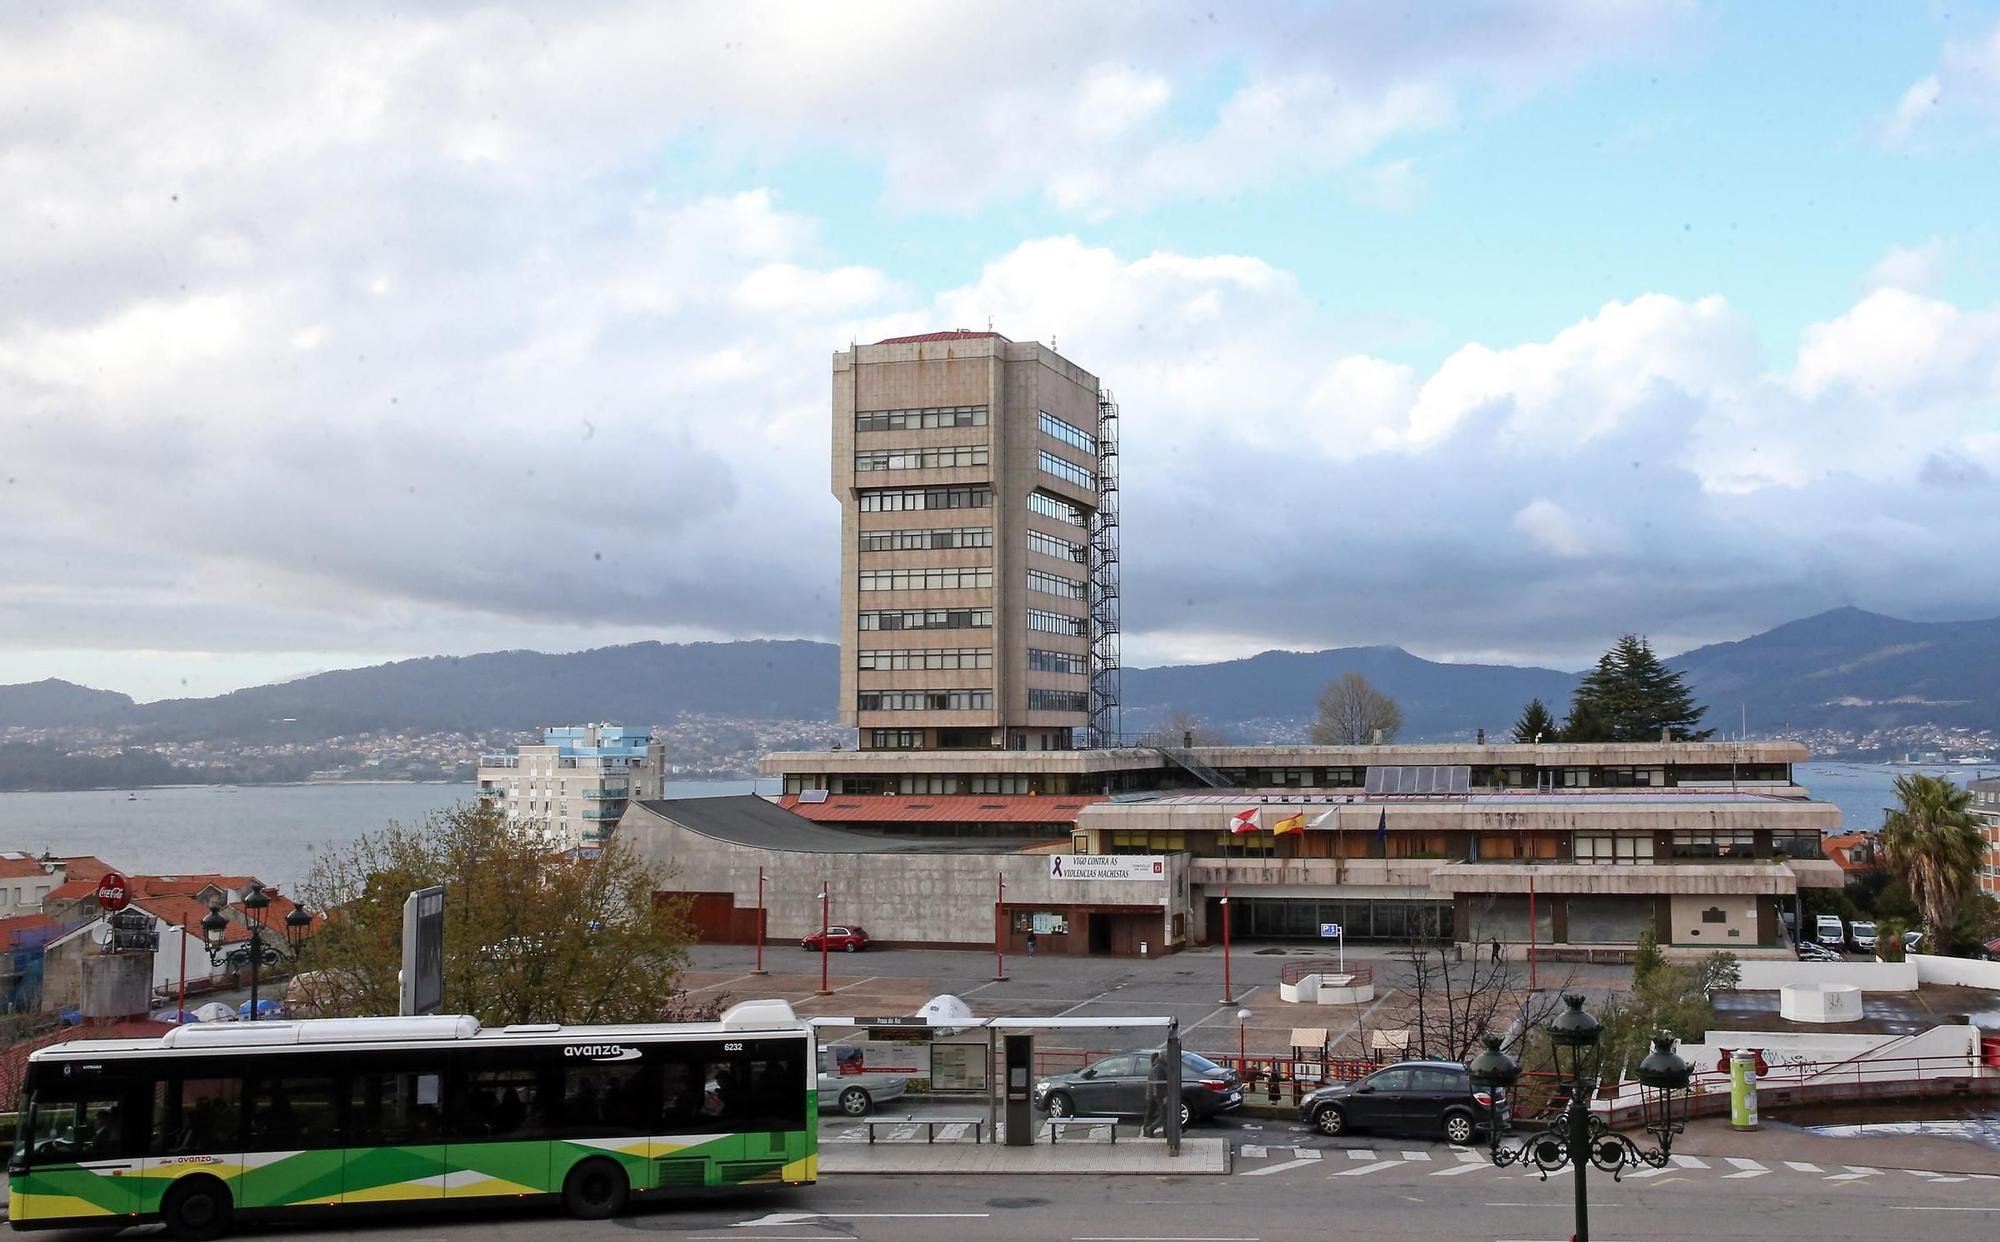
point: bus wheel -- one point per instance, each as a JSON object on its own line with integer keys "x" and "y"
{"x": 196, "y": 1209}
{"x": 596, "y": 1189}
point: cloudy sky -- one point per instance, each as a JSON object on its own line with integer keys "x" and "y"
{"x": 1493, "y": 331}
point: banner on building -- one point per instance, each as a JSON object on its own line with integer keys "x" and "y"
{"x": 1107, "y": 867}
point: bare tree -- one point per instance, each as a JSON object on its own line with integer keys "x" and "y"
{"x": 1450, "y": 1004}
{"x": 1352, "y": 712}
{"x": 1183, "y": 728}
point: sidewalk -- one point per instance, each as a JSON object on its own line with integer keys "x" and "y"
{"x": 1712, "y": 1136}
{"x": 1127, "y": 1155}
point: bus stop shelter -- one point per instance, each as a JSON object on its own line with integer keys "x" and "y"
{"x": 947, "y": 1049}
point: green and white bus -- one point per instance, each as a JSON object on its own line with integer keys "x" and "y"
{"x": 210, "y": 1122}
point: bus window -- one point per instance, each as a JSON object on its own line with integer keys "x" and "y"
{"x": 605, "y": 1101}
{"x": 196, "y": 1115}
{"x": 498, "y": 1104}
{"x": 98, "y": 1121}
{"x": 395, "y": 1109}
{"x": 293, "y": 1113}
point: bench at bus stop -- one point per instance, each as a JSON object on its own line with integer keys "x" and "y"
{"x": 930, "y": 1125}
{"x": 1059, "y": 1124}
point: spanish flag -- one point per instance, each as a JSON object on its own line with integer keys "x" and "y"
{"x": 1295, "y": 822}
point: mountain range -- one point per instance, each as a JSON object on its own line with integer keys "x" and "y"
{"x": 1844, "y": 669}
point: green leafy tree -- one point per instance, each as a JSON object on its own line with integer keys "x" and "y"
{"x": 1535, "y": 723}
{"x": 1931, "y": 843}
{"x": 1630, "y": 696}
{"x": 530, "y": 935}
{"x": 1352, "y": 712}
{"x": 1889, "y": 939}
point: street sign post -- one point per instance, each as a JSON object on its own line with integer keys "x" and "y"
{"x": 1331, "y": 931}
{"x": 421, "y": 987}
{"x": 113, "y": 893}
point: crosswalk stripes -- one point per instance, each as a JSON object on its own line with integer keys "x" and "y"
{"x": 1269, "y": 1169}
{"x": 1364, "y": 1162}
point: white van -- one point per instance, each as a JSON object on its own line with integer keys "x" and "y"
{"x": 1830, "y": 931}
{"x": 1862, "y": 936}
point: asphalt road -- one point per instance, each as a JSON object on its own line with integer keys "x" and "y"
{"x": 1243, "y": 1209}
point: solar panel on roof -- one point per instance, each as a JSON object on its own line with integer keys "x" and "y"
{"x": 813, "y": 795}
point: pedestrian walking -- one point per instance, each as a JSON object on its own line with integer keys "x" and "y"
{"x": 1496, "y": 948}
{"x": 1031, "y": 944}
{"x": 1156, "y": 1097}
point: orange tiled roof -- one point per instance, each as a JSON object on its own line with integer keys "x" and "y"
{"x": 1853, "y": 851}
{"x": 71, "y": 890}
{"x": 941, "y": 808}
{"x": 19, "y": 866}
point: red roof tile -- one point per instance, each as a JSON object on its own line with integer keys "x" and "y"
{"x": 71, "y": 890}
{"x": 85, "y": 867}
{"x": 15, "y": 924}
{"x": 940, "y": 808}
{"x": 956, "y": 334}
{"x": 17, "y": 866}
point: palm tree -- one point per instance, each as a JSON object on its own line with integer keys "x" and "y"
{"x": 1929, "y": 839}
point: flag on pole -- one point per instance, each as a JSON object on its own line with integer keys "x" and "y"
{"x": 1382, "y": 830}
{"x": 1319, "y": 820}
{"x": 1243, "y": 822}
{"x": 1295, "y": 822}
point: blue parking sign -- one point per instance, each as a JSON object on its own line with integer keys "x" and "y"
{"x": 1329, "y": 931}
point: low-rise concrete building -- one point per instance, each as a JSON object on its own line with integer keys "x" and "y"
{"x": 914, "y": 893}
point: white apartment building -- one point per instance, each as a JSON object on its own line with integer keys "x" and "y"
{"x": 576, "y": 782}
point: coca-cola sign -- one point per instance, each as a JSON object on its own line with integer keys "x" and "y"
{"x": 113, "y": 893}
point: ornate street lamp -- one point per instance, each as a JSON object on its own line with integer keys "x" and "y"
{"x": 296, "y": 923}
{"x": 1576, "y": 1138}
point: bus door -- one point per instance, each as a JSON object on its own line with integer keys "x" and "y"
{"x": 85, "y": 1145}
{"x": 197, "y": 1128}
{"x": 293, "y": 1140}
{"x": 395, "y": 1130}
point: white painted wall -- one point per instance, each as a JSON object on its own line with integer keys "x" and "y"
{"x": 1961, "y": 971}
{"x": 1868, "y": 976}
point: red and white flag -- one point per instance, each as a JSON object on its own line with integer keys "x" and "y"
{"x": 1243, "y": 821}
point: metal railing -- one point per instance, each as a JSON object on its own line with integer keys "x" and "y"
{"x": 1292, "y": 972}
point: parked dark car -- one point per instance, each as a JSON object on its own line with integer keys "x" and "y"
{"x": 1116, "y": 1087}
{"x": 838, "y": 940}
{"x": 1411, "y": 1097}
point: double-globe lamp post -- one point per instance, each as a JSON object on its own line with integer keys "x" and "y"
{"x": 1572, "y": 1140}
{"x": 214, "y": 924}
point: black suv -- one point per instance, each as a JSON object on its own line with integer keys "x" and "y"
{"x": 1413, "y": 1097}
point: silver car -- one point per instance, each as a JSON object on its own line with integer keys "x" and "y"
{"x": 854, "y": 1094}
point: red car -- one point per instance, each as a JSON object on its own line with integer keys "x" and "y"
{"x": 838, "y": 940}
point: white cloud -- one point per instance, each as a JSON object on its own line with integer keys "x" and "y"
{"x": 1552, "y": 527}
{"x": 1966, "y": 85}
{"x": 1914, "y": 269}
